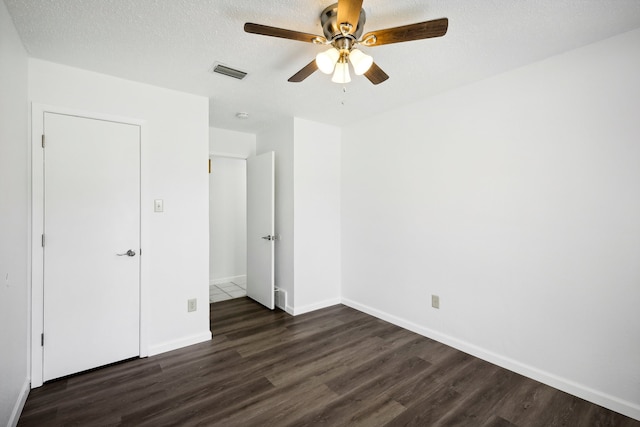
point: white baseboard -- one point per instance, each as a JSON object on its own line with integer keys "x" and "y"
{"x": 176, "y": 344}
{"x": 221, "y": 280}
{"x": 19, "y": 406}
{"x": 624, "y": 407}
{"x": 312, "y": 307}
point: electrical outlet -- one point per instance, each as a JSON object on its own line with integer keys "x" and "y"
{"x": 192, "y": 304}
{"x": 435, "y": 301}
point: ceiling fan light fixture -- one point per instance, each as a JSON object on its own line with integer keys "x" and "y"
{"x": 326, "y": 61}
{"x": 361, "y": 61}
{"x": 341, "y": 73}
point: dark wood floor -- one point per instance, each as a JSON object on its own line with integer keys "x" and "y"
{"x": 331, "y": 367}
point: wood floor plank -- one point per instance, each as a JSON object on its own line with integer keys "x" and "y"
{"x": 429, "y": 409}
{"x": 496, "y": 421}
{"x": 349, "y": 409}
{"x": 189, "y": 406}
{"x": 334, "y": 367}
{"x": 526, "y": 403}
{"x": 267, "y": 342}
{"x": 323, "y": 368}
{"x": 385, "y": 365}
{"x": 480, "y": 398}
{"x": 433, "y": 378}
{"x": 275, "y": 408}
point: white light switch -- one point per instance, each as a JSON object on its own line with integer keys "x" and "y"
{"x": 158, "y": 205}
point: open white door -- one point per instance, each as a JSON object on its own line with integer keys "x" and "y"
{"x": 260, "y": 228}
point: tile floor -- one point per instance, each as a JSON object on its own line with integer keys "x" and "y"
{"x": 229, "y": 290}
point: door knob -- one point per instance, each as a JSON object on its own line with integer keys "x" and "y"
{"x": 269, "y": 237}
{"x": 128, "y": 253}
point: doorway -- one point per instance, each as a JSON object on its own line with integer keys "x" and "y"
{"x": 242, "y": 236}
{"x": 227, "y": 228}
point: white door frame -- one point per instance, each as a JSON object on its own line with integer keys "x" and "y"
{"x": 37, "y": 222}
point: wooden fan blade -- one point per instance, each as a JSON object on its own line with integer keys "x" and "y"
{"x": 418, "y": 31}
{"x": 349, "y": 12}
{"x": 376, "y": 75}
{"x": 306, "y": 71}
{"x": 265, "y": 30}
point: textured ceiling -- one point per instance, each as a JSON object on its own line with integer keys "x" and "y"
{"x": 174, "y": 43}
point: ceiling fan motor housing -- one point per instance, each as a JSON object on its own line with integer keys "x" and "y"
{"x": 331, "y": 26}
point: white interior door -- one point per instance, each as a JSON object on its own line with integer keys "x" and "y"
{"x": 260, "y": 228}
{"x": 91, "y": 217}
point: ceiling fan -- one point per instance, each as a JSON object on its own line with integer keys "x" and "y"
{"x": 342, "y": 25}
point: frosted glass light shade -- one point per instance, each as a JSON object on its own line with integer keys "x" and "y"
{"x": 361, "y": 62}
{"x": 341, "y": 74}
{"x": 326, "y": 60}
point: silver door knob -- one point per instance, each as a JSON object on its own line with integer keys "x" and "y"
{"x": 128, "y": 253}
{"x": 269, "y": 237}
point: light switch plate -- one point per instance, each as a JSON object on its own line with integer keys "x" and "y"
{"x": 158, "y": 205}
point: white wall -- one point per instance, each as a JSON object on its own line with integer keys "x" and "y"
{"x": 517, "y": 201}
{"x": 14, "y": 217}
{"x": 229, "y": 143}
{"x": 317, "y": 215}
{"x": 279, "y": 138}
{"x": 174, "y": 162}
{"x": 227, "y": 219}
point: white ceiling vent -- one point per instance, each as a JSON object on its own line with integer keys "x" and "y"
{"x": 228, "y": 71}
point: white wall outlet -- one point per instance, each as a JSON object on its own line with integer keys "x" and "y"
{"x": 192, "y": 304}
{"x": 435, "y": 301}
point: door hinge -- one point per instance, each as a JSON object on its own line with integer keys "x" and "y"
{"x": 42, "y": 140}
{"x": 41, "y": 340}
{"x": 43, "y": 240}
{"x": 140, "y": 251}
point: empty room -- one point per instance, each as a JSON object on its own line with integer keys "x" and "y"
{"x": 291, "y": 213}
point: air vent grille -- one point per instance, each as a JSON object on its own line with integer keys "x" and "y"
{"x": 228, "y": 71}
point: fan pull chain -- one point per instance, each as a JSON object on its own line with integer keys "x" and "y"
{"x": 344, "y": 90}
